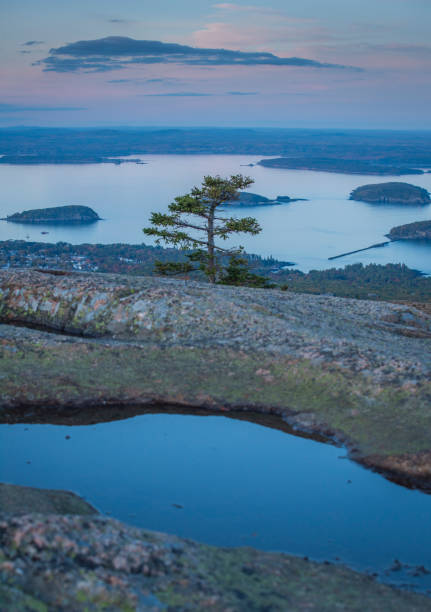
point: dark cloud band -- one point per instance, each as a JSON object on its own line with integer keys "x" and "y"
{"x": 116, "y": 52}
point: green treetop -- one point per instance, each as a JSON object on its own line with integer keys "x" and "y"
{"x": 195, "y": 223}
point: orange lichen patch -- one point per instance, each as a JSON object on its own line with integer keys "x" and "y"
{"x": 99, "y": 303}
{"x": 416, "y": 465}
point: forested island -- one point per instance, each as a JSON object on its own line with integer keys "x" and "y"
{"x": 247, "y": 199}
{"x": 391, "y": 193}
{"x": 61, "y": 215}
{"x": 343, "y": 166}
{"x": 420, "y": 230}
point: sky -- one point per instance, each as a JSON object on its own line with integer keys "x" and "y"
{"x": 279, "y": 63}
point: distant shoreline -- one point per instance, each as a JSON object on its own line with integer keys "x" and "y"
{"x": 348, "y": 151}
{"x": 310, "y": 167}
{"x": 15, "y": 160}
{"x": 339, "y": 166}
{"x": 373, "y": 281}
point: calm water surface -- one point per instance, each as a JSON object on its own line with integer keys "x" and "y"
{"x": 304, "y": 232}
{"x": 237, "y": 483}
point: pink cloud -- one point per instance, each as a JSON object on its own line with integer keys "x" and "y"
{"x": 259, "y": 27}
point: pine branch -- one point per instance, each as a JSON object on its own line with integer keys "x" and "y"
{"x": 202, "y": 203}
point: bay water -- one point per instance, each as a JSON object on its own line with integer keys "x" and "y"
{"x": 307, "y": 233}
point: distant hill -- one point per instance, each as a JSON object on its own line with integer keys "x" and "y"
{"x": 350, "y": 151}
{"x": 56, "y": 214}
{"x": 421, "y": 230}
{"x": 391, "y": 193}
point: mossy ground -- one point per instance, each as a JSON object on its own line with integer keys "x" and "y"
{"x": 383, "y": 420}
{"x": 13, "y": 599}
{"x": 21, "y": 500}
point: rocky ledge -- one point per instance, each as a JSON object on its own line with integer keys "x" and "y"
{"x": 53, "y": 562}
{"x": 391, "y": 193}
{"x": 22, "y": 500}
{"x": 56, "y": 214}
{"x": 63, "y": 561}
{"x": 420, "y": 230}
{"x": 355, "y": 371}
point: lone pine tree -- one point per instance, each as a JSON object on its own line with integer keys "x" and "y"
{"x": 195, "y": 221}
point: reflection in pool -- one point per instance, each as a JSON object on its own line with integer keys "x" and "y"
{"x": 230, "y": 483}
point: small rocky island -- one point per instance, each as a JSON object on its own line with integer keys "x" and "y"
{"x": 391, "y": 193}
{"x": 421, "y": 230}
{"x": 247, "y": 199}
{"x": 56, "y": 215}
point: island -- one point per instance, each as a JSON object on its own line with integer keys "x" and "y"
{"x": 339, "y": 165}
{"x": 421, "y": 230}
{"x": 254, "y": 199}
{"x": 71, "y": 214}
{"x": 391, "y": 193}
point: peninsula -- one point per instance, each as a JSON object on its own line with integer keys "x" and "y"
{"x": 247, "y": 199}
{"x": 420, "y": 230}
{"x": 391, "y": 193}
{"x": 339, "y": 165}
{"x": 51, "y": 157}
{"x": 56, "y": 215}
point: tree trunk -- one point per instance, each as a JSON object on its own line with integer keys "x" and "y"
{"x": 211, "y": 249}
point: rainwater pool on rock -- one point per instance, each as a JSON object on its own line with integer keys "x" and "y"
{"x": 231, "y": 483}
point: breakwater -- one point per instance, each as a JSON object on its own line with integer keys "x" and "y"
{"x": 373, "y": 246}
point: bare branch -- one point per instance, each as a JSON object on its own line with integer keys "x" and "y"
{"x": 196, "y": 227}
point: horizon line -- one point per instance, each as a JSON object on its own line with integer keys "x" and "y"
{"x": 207, "y": 127}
